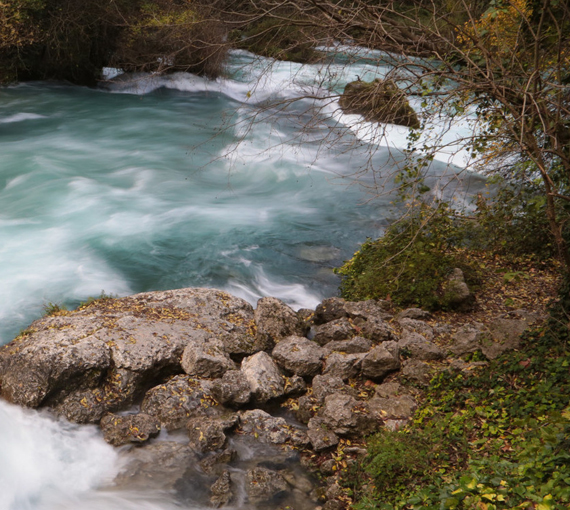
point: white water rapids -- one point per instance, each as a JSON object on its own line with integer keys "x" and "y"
{"x": 152, "y": 183}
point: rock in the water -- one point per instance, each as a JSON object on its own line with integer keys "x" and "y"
{"x": 159, "y": 466}
{"x": 133, "y": 428}
{"x": 206, "y": 359}
{"x": 178, "y": 400}
{"x": 299, "y": 355}
{"x": 206, "y": 435}
{"x": 379, "y": 362}
{"x": 275, "y": 320}
{"x": 265, "y": 379}
{"x": 232, "y": 389}
{"x": 216, "y": 462}
{"x": 221, "y": 491}
{"x": 379, "y": 101}
{"x": 264, "y": 485}
{"x": 354, "y": 345}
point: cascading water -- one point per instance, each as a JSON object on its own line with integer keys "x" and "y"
{"x": 161, "y": 182}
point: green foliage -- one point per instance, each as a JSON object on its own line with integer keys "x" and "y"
{"x": 73, "y": 39}
{"x": 512, "y": 221}
{"x": 410, "y": 263}
{"x": 91, "y": 300}
{"x": 52, "y": 309}
{"x": 276, "y": 38}
{"x": 492, "y": 440}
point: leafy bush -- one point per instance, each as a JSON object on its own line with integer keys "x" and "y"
{"x": 410, "y": 263}
{"x": 513, "y": 222}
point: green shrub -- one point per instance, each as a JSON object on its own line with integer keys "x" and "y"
{"x": 410, "y": 263}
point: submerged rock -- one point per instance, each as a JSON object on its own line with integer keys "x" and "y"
{"x": 264, "y": 485}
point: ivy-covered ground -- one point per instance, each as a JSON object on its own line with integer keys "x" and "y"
{"x": 495, "y": 438}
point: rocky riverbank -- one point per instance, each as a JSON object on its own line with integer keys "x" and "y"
{"x": 310, "y": 383}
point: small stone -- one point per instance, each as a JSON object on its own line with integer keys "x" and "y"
{"x": 233, "y": 389}
{"x": 456, "y": 292}
{"x": 263, "y": 485}
{"x": 221, "y": 491}
{"x": 134, "y": 428}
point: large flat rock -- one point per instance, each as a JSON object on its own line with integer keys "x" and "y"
{"x": 104, "y": 354}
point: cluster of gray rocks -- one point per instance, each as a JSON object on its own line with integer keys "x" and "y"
{"x": 206, "y": 362}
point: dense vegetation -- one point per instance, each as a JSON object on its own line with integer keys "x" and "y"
{"x": 73, "y": 39}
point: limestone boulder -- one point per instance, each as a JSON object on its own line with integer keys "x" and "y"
{"x": 206, "y": 359}
{"x": 355, "y": 345}
{"x": 346, "y": 416}
{"x": 265, "y": 379}
{"x": 275, "y": 320}
{"x": 179, "y": 399}
{"x": 380, "y": 361}
{"x": 232, "y": 389}
{"x": 138, "y": 339}
{"x": 299, "y": 356}
{"x": 345, "y": 366}
{"x": 418, "y": 347}
{"x": 339, "y": 329}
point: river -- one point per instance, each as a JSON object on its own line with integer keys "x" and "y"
{"x": 244, "y": 184}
